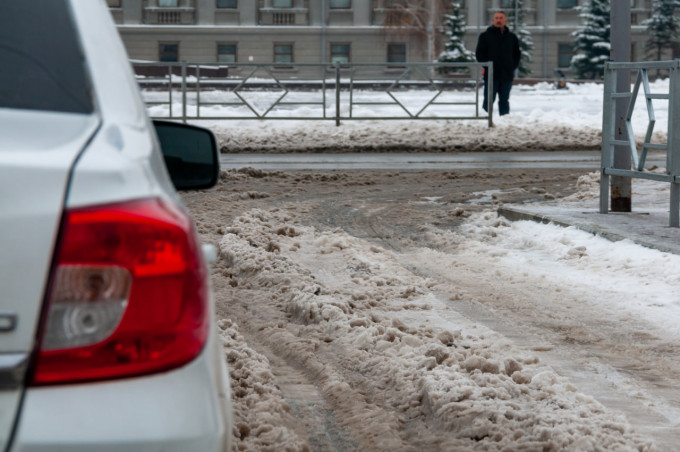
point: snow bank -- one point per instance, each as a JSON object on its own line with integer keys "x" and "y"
{"x": 404, "y": 136}
{"x": 400, "y": 367}
{"x": 260, "y": 412}
{"x": 541, "y": 118}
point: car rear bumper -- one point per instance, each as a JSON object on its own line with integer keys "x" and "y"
{"x": 183, "y": 410}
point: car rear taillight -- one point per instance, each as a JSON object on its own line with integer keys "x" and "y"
{"x": 129, "y": 294}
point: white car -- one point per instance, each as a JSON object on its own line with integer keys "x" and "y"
{"x": 107, "y": 331}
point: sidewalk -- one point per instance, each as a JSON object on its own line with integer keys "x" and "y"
{"x": 647, "y": 225}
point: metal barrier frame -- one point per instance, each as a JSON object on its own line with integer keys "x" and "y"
{"x": 672, "y": 146}
{"x": 403, "y": 71}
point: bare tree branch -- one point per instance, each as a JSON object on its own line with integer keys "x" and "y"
{"x": 422, "y": 17}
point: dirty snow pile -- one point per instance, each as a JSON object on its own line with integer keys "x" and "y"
{"x": 400, "y": 367}
{"x": 262, "y": 417}
{"x": 404, "y": 136}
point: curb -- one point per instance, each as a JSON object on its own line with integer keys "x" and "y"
{"x": 647, "y": 240}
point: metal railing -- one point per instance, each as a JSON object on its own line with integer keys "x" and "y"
{"x": 211, "y": 91}
{"x": 672, "y": 145}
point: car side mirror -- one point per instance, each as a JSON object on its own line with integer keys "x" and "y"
{"x": 190, "y": 153}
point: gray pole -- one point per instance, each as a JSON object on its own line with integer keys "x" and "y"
{"x": 545, "y": 40}
{"x": 323, "y": 36}
{"x": 434, "y": 13}
{"x": 337, "y": 94}
{"x": 620, "y": 51}
{"x": 430, "y": 34}
{"x": 516, "y": 20}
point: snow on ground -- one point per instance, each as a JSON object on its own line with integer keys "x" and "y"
{"x": 475, "y": 390}
{"x": 262, "y": 417}
{"x": 411, "y": 136}
{"x": 637, "y": 282}
{"x": 541, "y": 118}
{"x": 400, "y": 367}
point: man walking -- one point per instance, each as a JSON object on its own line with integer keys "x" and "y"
{"x": 500, "y": 46}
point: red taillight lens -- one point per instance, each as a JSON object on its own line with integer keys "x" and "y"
{"x": 129, "y": 294}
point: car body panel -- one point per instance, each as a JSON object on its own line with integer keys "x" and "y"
{"x": 124, "y": 162}
{"x": 107, "y": 172}
{"x": 34, "y": 174}
{"x": 173, "y": 411}
{"x": 52, "y": 161}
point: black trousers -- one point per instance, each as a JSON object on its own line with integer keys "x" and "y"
{"x": 503, "y": 91}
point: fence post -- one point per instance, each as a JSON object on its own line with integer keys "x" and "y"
{"x": 337, "y": 93}
{"x": 621, "y": 186}
{"x": 184, "y": 91}
{"x": 607, "y": 153}
{"x": 476, "y": 91}
{"x": 489, "y": 93}
{"x": 198, "y": 90}
{"x": 673, "y": 159}
{"x": 170, "y": 65}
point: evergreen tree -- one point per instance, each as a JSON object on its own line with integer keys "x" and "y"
{"x": 662, "y": 27}
{"x": 454, "y": 30}
{"x": 592, "y": 42}
{"x": 526, "y": 43}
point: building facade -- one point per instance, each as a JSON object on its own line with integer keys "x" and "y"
{"x": 357, "y": 31}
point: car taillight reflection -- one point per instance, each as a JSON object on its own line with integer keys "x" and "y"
{"x": 129, "y": 294}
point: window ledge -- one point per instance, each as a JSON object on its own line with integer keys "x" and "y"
{"x": 287, "y": 69}
{"x": 284, "y": 10}
{"x": 169, "y": 8}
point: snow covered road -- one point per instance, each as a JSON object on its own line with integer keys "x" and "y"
{"x": 384, "y": 310}
{"x": 368, "y": 309}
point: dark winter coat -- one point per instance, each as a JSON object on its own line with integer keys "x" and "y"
{"x": 503, "y": 49}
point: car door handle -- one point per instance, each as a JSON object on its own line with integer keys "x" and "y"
{"x": 12, "y": 370}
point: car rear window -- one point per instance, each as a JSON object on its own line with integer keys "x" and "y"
{"x": 41, "y": 63}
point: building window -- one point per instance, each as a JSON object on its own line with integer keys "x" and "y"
{"x": 507, "y": 4}
{"x": 565, "y": 4}
{"x": 168, "y": 52}
{"x": 167, "y": 3}
{"x": 341, "y": 4}
{"x": 564, "y": 54}
{"x": 226, "y": 4}
{"x": 283, "y": 53}
{"x": 396, "y": 53}
{"x": 282, "y": 3}
{"x": 114, "y": 3}
{"x": 340, "y": 53}
{"x": 226, "y": 53}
